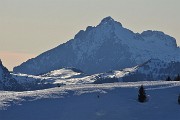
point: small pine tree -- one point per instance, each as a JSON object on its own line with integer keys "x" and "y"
{"x": 58, "y": 85}
{"x": 177, "y": 78}
{"x": 142, "y": 95}
{"x": 179, "y": 99}
{"x": 168, "y": 78}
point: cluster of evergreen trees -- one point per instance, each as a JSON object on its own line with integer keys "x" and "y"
{"x": 142, "y": 97}
{"x": 177, "y": 78}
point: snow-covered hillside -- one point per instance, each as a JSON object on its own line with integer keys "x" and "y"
{"x": 61, "y": 77}
{"x": 117, "y": 101}
{"x": 153, "y": 69}
{"x": 108, "y": 46}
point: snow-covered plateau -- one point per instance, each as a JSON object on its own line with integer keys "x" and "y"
{"x": 112, "y": 101}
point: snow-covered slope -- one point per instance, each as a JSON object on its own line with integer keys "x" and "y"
{"x": 64, "y": 73}
{"x": 81, "y": 102}
{"x": 7, "y": 82}
{"x": 153, "y": 69}
{"x": 65, "y": 76}
{"x": 108, "y": 46}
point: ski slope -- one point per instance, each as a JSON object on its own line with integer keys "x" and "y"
{"x": 117, "y": 101}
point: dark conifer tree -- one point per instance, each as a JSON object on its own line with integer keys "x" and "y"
{"x": 179, "y": 99}
{"x": 177, "y": 78}
{"x": 58, "y": 85}
{"x": 168, "y": 78}
{"x": 142, "y": 95}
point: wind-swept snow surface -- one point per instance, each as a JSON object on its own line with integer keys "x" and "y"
{"x": 115, "y": 101}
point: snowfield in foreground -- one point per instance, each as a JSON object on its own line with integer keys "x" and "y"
{"x": 116, "y": 101}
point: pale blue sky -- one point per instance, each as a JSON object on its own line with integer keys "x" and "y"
{"x": 30, "y": 27}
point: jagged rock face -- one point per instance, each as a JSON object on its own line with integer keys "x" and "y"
{"x": 7, "y": 82}
{"x": 108, "y": 46}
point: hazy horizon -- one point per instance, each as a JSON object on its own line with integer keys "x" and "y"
{"x": 31, "y": 27}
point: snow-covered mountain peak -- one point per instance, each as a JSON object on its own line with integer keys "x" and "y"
{"x": 6, "y": 80}
{"x": 107, "y": 25}
{"x": 108, "y": 46}
{"x": 109, "y": 21}
{"x": 1, "y": 70}
{"x": 160, "y": 36}
{"x": 149, "y": 33}
{"x": 0, "y": 62}
{"x": 107, "y": 29}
